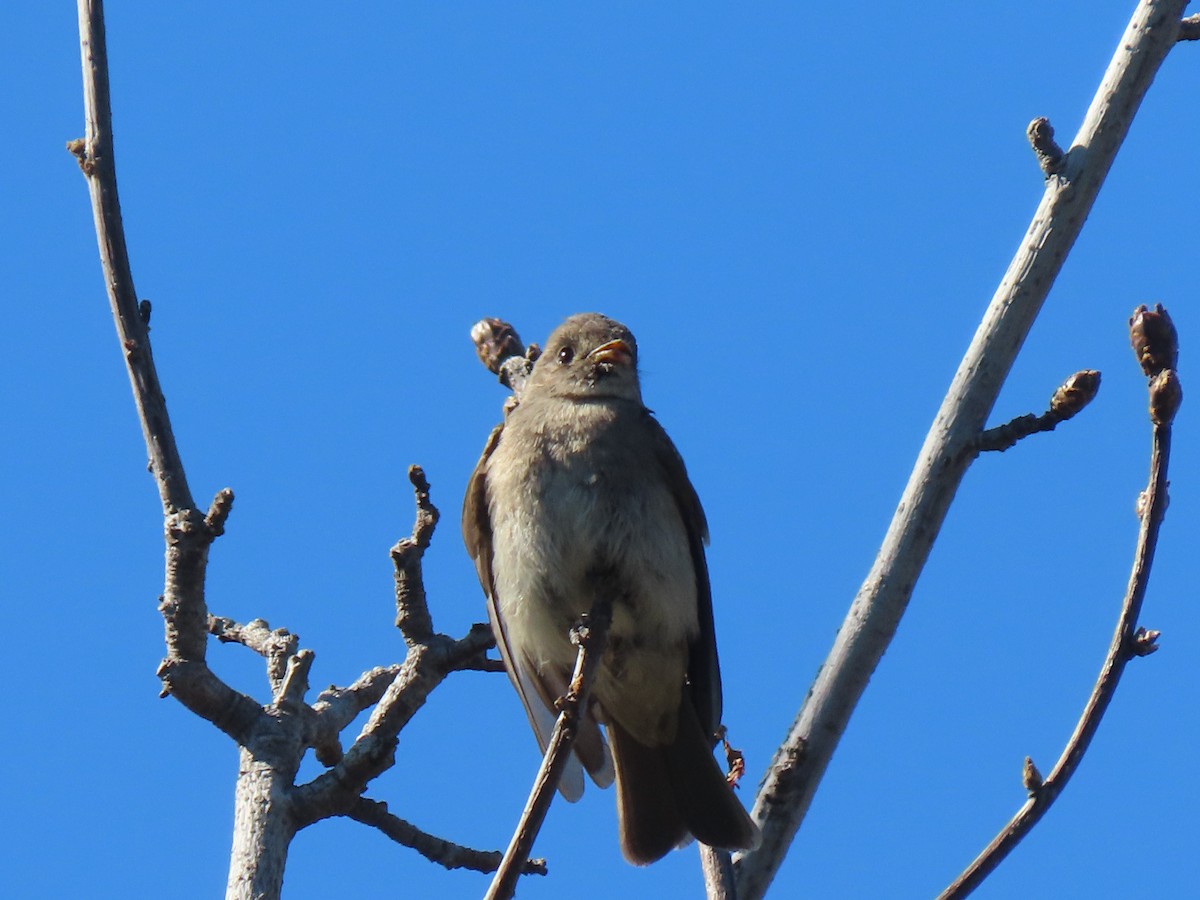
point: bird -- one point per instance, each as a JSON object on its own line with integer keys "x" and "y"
{"x": 580, "y": 494}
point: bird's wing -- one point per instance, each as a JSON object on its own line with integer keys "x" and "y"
{"x": 477, "y": 534}
{"x": 704, "y": 670}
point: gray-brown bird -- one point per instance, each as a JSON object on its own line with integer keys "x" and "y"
{"x": 581, "y": 493}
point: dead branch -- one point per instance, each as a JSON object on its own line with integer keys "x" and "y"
{"x": 1128, "y": 641}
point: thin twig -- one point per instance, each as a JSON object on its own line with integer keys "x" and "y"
{"x": 1072, "y": 396}
{"x": 435, "y": 849}
{"x": 373, "y": 751}
{"x": 591, "y": 636}
{"x": 801, "y": 759}
{"x": 412, "y": 609}
{"x": 1128, "y": 641}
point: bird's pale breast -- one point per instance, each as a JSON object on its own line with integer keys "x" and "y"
{"x": 609, "y": 524}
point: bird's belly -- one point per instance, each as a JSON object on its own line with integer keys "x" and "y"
{"x": 575, "y": 538}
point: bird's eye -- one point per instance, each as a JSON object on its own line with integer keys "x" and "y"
{"x": 565, "y": 355}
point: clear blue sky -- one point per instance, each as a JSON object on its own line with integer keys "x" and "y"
{"x": 800, "y": 210}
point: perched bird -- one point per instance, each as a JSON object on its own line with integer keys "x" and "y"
{"x": 580, "y": 493}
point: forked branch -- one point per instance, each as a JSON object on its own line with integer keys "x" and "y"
{"x": 1154, "y": 343}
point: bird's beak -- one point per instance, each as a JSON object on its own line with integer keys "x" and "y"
{"x": 617, "y": 352}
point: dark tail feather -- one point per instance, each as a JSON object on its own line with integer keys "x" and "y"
{"x": 649, "y": 821}
{"x": 666, "y": 794}
{"x": 707, "y": 803}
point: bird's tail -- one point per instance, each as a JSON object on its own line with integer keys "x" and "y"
{"x": 668, "y": 794}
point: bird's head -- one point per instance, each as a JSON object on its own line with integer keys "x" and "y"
{"x": 589, "y": 356}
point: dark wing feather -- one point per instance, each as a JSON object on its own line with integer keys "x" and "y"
{"x": 704, "y": 671}
{"x": 477, "y": 535}
{"x": 477, "y": 524}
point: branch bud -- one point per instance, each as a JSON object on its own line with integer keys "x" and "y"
{"x": 495, "y": 341}
{"x": 1075, "y": 393}
{"x": 1155, "y": 341}
{"x": 1166, "y": 393}
{"x": 1031, "y": 778}
{"x": 1050, "y": 156}
{"x": 1145, "y": 642}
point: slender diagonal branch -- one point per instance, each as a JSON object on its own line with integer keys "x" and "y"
{"x": 590, "y": 636}
{"x": 796, "y": 769}
{"x": 435, "y": 849}
{"x": 189, "y": 532}
{"x": 98, "y": 162}
{"x": 1128, "y": 641}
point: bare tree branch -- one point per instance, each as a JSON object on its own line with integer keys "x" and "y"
{"x": 397, "y": 692}
{"x": 590, "y": 636}
{"x": 335, "y": 708}
{"x": 1189, "y": 29}
{"x": 96, "y": 159}
{"x": 435, "y": 849}
{"x": 189, "y": 533}
{"x": 801, "y": 759}
{"x": 1128, "y": 640}
{"x": 276, "y": 646}
{"x": 268, "y": 808}
{"x": 372, "y": 753}
{"x": 340, "y": 706}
